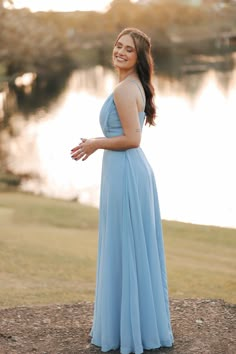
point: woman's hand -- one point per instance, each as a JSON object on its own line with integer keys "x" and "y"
{"x": 86, "y": 148}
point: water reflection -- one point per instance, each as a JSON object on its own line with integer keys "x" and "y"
{"x": 192, "y": 149}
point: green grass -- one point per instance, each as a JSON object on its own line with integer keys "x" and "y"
{"x": 48, "y": 252}
{"x": 201, "y": 260}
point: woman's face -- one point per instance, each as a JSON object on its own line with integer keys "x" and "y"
{"x": 124, "y": 53}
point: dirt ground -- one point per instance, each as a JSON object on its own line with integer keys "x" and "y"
{"x": 200, "y": 326}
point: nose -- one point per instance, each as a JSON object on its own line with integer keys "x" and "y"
{"x": 121, "y": 50}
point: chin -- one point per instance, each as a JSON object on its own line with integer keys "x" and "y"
{"x": 120, "y": 65}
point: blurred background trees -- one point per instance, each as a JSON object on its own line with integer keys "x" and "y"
{"x": 30, "y": 43}
{"x": 185, "y": 35}
{"x": 51, "y": 41}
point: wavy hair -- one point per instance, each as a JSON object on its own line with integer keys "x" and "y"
{"x": 144, "y": 69}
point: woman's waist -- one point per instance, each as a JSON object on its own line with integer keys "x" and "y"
{"x": 134, "y": 157}
{"x": 125, "y": 151}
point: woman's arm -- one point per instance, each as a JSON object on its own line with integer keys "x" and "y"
{"x": 125, "y": 97}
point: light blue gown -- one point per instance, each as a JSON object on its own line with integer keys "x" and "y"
{"x": 131, "y": 304}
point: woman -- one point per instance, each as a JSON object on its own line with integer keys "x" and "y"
{"x": 131, "y": 306}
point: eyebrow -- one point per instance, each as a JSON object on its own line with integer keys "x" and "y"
{"x": 127, "y": 46}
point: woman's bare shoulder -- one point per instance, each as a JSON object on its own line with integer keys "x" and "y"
{"x": 125, "y": 89}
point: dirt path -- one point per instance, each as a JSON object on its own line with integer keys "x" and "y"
{"x": 200, "y": 327}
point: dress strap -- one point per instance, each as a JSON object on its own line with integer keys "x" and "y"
{"x": 143, "y": 97}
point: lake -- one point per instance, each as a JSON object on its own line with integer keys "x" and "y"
{"x": 192, "y": 149}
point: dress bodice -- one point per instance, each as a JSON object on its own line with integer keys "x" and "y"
{"x": 110, "y": 121}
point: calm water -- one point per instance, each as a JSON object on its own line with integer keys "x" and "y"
{"x": 192, "y": 149}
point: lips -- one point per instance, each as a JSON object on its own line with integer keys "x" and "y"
{"x": 120, "y": 59}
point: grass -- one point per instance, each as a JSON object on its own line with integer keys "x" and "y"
{"x": 48, "y": 252}
{"x": 201, "y": 260}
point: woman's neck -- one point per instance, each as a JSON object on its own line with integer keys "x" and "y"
{"x": 123, "y": 75}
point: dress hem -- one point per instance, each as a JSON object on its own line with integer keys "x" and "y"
{"x": 124, "y": 350}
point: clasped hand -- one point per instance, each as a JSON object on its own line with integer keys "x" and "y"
{"x": 86, "y": 148}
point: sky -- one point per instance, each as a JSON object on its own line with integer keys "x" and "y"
{"x": 63, "y": 5}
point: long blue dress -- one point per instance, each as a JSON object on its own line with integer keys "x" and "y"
{"x": 131, "y": 304}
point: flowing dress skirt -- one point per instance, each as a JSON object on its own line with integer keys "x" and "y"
{"x": 131, "y": 304}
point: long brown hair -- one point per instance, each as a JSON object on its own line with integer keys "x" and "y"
{"x": 144, "y": 68}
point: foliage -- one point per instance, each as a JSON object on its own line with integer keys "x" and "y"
{"x": 28, "y": 43}
{"x": 50, "y": 41}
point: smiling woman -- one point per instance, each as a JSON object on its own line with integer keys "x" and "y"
{"x": 131, "y": 309}
{"x": 64, "y": 6}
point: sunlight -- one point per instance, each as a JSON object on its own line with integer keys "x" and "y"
{"x": 194, "y": 154}
{"x": 192, "y": 149}
{"x": 64, "y": 6}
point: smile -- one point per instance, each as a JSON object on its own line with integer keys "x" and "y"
{"x": 120, "y": 59}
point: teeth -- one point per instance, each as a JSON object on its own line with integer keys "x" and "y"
{"x": 120, "y": 59}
